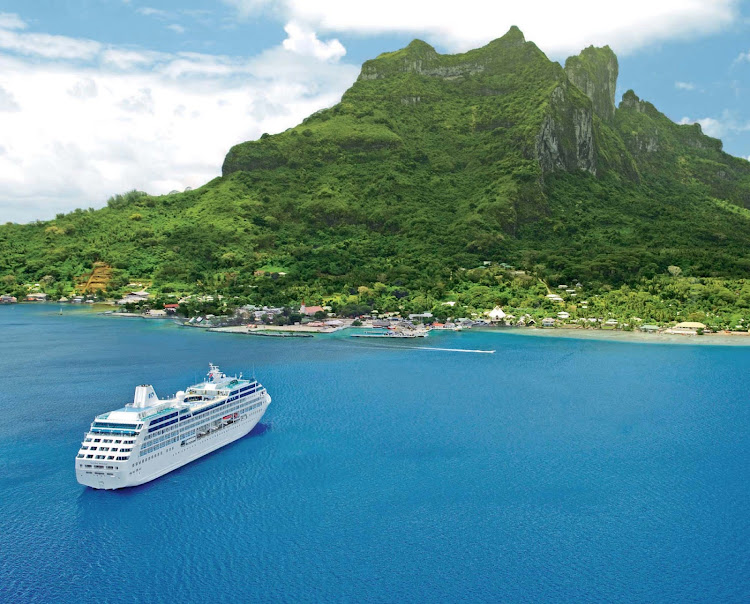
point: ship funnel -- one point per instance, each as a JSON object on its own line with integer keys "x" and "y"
{"x": 144, "y": 396}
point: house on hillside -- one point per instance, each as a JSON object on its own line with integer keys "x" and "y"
{"x": 309, "y": 311}
{"x": 563, "y": 315}
{"x": 134, "y": 297}
{"x": 496, "y": 314}
{"x": 38, "y": 297}
{"x": 548, "y": 322}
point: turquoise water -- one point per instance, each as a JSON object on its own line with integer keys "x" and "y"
{"x": 554, "y": 470}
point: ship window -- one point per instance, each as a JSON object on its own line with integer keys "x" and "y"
{"x": 89, "y": 456}
{"x": 80, "y": 455}
{"x": 97, "y": 440}
{"x": 88, "y": 465}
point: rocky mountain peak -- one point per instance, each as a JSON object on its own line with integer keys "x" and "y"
{"x": 595, "y": 72}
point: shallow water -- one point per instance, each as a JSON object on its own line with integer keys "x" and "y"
{"x": 555, "y": 469}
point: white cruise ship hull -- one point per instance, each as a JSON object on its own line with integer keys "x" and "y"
{"x": 176, "y": 455}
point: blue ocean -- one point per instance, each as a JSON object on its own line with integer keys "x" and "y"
{"x": 554, "y": 470}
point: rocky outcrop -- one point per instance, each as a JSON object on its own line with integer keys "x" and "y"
{"x": 421, "y": 58}
{"x": 631, "y": 101}
{"x": 566, "y": 138}
{"x": 594, "y": 72}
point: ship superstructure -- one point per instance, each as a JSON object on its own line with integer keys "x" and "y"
{"x": 151, "y": 436}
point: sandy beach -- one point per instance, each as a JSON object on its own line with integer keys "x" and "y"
{"x": 716, "y": 339}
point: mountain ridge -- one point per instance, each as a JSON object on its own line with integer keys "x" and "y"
{"x": 430, "y": 163}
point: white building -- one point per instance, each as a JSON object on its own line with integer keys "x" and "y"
{"x": 688, "y": 328}
{"x": 496, "y": 314}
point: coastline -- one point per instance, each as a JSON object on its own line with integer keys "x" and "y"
{"x": 634, "y": 337}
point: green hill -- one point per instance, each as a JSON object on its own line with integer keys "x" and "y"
{"x": 429, "y": 164}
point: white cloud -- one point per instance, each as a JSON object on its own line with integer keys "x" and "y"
{"x": 743, "y": 56}
{"x": 129, "y": 59}
{"x": 247, "y": 8}
{"x": 48, "y": 46}
{"x": 710, "y": 126}
{"x": 84, "y": 89}
{"x": 147, "y": 11}
{"x": 304, "y": 42}
{"x": 8, "y": 102}
{"x": 178, "y": 29}
{"x": 11, "y": 21}
{"x": 719, "y": 127}
{"x": 684, "y": 85}
{"x": 130, "y": 118}
{"x": 559, "y": 28}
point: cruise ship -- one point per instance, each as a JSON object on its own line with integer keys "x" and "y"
{"x": 151, "y": 436}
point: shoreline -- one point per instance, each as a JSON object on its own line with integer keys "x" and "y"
{"x": 604, "y": 335}
{"x": 279, "y": 329}
{"x": 632, "y": 337}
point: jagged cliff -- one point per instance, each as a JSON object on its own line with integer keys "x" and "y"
{"x": 509, "y": 84}
{"x": 595, "y": 71}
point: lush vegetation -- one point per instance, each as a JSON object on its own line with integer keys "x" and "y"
{"x": 426, "y": 169}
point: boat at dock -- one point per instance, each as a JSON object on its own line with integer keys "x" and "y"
{"x": 150, "y": 437}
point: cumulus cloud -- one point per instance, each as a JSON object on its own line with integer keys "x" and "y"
{"x": 709, "y": 125}
{"x": 684, "y": 85}
{"x": 131, "y": 118}
{"x": 559, "y": 28}
{"x": 11, "y": 21}
{"x": 178, "y": 29}
{"x": 84, "y": 89}
{"x": 719, "y": 127}
{"x": 8, "y": 102}
{"x": 304, "y": 41}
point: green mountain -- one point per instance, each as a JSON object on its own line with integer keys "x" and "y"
{"x": 429, "y": 164}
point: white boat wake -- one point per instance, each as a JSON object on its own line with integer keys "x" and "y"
{"x": 455, "y": 350}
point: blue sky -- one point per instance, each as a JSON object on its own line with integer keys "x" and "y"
{"x": 102, "y": 96}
